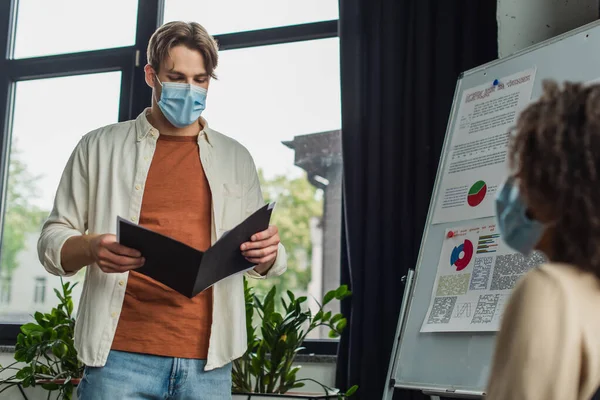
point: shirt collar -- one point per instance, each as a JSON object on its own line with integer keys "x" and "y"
{"x": 144, "y": 127}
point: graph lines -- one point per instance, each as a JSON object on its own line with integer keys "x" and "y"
{"x": 488, "y": 243}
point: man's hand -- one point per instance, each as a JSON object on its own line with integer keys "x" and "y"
{"x": 112, "y": 257}
{"x": 262, "y": 248}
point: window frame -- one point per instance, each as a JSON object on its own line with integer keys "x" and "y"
{"x": 135, "y": 94}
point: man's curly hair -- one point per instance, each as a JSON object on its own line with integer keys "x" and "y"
{"x": 555, "y": 154}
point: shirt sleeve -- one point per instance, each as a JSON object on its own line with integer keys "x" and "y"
{"x": 254, "y": 201}
{"x": 69, "y": 214}
{"x": 538, "y": 349}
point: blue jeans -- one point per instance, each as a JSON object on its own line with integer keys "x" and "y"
{"x": 132, "y": 376}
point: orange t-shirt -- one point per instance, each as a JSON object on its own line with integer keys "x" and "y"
{"x": 177, "y": 203}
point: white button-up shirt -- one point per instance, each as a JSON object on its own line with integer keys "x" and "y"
{"x": 104, "y": 178}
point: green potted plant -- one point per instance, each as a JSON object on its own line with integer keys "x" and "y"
{"x": 268, "y": 364}
{"x": 45, "y": 354}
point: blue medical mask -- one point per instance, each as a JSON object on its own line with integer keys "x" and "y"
{"x": 517, "y": 230}
{"x": 181, "y": 103}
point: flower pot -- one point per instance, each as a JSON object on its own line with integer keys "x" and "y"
{"x": 288, "y": 395}
{"x": 75, "y": 381}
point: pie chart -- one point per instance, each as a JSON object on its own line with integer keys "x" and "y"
{"x": 477, "y": 193}
{"x": 461, "y": 255}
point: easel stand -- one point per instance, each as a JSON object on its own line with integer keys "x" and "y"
{"x": 435, "y": 393}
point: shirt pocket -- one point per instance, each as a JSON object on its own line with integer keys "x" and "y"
{"x": 232, "y": 211}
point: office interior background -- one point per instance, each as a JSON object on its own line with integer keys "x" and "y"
{"x": 343, "y": 105}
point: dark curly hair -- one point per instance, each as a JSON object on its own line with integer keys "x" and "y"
{"x": 555, "y": 154}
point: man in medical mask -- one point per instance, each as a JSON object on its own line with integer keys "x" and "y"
{"x": 169, "y": 172}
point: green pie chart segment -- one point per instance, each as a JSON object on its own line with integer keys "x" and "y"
{"x": 477, "y": 193}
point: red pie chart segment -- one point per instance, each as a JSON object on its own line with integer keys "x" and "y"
{"x": 465, "y": 250}
{"x": 477, "y": 193}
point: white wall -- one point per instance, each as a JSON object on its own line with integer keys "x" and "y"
{"x": 522, "y": 23}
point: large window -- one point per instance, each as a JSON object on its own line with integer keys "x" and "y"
{"x": 66, "y": 26}
{"x": 278, "y": 93}
{"x": 50, "y": 116}
{"x": 70, "y": 66}
{"x": 286, "y": 103}
{"x": 64, "y": 72}
{"x": 229, "y": 16}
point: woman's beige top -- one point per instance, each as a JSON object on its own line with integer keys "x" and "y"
{"x": 549, "y": 345}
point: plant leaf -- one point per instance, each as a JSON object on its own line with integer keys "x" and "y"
{"x": 24, "y": 373}
{"x": 20, "y": 355}
{"x": 39, "y": 317}
{"x": 59, "y": 349}
{"x": 31, "y": 328}
{"x": 336, "y": 318}
{"x": 291, "y": 296}
{"x": 351, "y": 391}
{"x": 62, "y": 299}
{"x": 328, "y": 297}
{"x": 318, "y": 315}
{"x": 291, "y": 376}
{"x": 341, "y": 291}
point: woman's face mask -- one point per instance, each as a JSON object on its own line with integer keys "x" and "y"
{"x": 517, "y": 230}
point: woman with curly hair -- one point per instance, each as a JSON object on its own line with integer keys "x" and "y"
{"x": 548, "y": 347}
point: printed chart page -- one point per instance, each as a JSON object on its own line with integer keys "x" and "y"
{"x": 475, "y": 276}
{"x": 476, "y": 162}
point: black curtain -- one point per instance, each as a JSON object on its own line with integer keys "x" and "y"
{"x": 400, "y": 60}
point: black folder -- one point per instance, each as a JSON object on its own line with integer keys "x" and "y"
{"x": 185, "y": 269}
